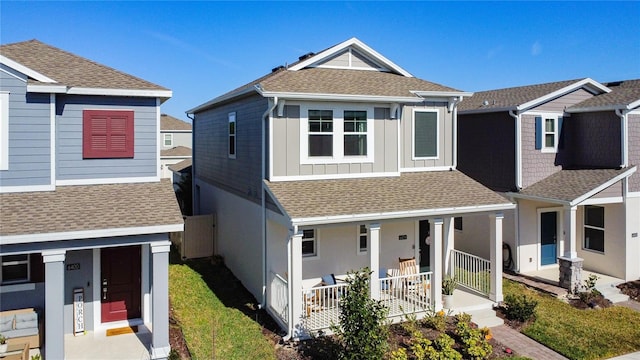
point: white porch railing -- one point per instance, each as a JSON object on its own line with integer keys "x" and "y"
{"x": 406, "y": 294}
{"x": 320, "y": 305}
{"x": 279, "y": 297}
{"x": 471, "y": 271}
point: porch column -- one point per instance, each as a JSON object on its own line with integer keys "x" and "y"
{"x": 295, "y": 281}
{"x": 570, "y": 265}
{"x": 374, "y": 259}
{"x": 160, "y": 346}
{"x": 448, "y": 244}
{"x": 54, "y": 303}
{"x": 436, "y": 264}
{"x": 495, "y": 292}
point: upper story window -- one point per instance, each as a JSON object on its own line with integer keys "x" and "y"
{"x": 594, "y": 228}
{"x": 336, "y": 133}
{"x": 232, "y": 135}
{"x": 309, "y": 246}
{"x": 548, "y": 132}
{"x": 168, "y": 139}
{"x": 425, "y": 134}
{"x": 107, "y": 134}
{"x": 4, "y": 130}
{"x": 15, "y": 269}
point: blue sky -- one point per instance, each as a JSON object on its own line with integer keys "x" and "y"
{"x": 203, "y": 49}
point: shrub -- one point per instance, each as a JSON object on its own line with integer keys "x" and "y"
{"x": 424, "y": 349}
{"x": 587, "y": 292}
{"x": 475, "y": 344}
{"x": 519, "y": 307}
{"x": 362, "y": 331}
{"x": 436, "y": 320}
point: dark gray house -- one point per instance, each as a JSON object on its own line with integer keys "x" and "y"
{"x": 84, "y": 217}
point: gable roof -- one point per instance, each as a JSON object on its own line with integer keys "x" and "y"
{"x": 179, "y": 151}
{"x": 82, "y": 211}
{"x": 429, "y": 193}
{"x": 308, "y": 79}
{"x": 54, "y": 70}
{"x": 168, "y": 122}
{"x": 624, "y": 95}
{"x": 182, "y": 166}
{"x": 572, "y": 187}
{"x": 522, "y": 98}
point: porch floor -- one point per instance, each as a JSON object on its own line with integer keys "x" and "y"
{"x": 551, "y": 276}
{"x": 96, "y": 345}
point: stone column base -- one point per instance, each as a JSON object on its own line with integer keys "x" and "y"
{"x": 570, "y": 273}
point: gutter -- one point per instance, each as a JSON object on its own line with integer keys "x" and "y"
{"x": 518, "y": 135}
{"x": 624, "y": 141}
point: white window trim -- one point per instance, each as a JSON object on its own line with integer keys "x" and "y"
{"x": 547, "y": 115}
{"x": 360, "y": 251}
{"x": 13, "y": 263}
{"x": 316, "y": 235}
{"x": 544, "y": 148}
{"x": 164, "y": 139}
{"x": 232, "y": 119}
{"x": 338, "y": 134}
{"x": 4, "y": 130}
{"x": 584, "y": 235}
{"x": 413, "y": 135}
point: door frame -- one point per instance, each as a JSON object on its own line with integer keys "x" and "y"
{"x": 417, "y": 241}
{"x": 559, "y": 238}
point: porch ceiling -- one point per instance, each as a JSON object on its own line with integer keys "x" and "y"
{"x": 408, "y": 193}
{"x": 89, "y": 207}
{"x": 574, "y": 185}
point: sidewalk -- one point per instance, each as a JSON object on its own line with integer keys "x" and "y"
{"x": 523, "y": 345}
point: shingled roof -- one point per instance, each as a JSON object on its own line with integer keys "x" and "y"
{"x": 168, "y": 123}
{"x": 89, "y": 208}
{"x": 69, "y": 69}
{"x": 624, "y": 95}
{"x": 569, "y": 186}
{"x": 403, "y": 196}
{"x": 176, "y": 151}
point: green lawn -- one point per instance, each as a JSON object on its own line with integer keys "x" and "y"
{"x": 211, "y": 329}
{"x": 581, "y": 334}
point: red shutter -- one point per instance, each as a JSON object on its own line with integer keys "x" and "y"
{"x": 107, "y": 134}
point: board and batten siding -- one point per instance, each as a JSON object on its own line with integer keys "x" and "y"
{"x": 634, "y": 150}
{"x": 286, "y": 147}
{"x": 445, "y": 137}
{"x": 29, "y": 133}
{"x": 241, "y": 176}
{"x": 71, "y": 165}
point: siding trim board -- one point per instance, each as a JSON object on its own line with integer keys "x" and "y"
{"x": 334, "y": 176}
{"x": 123, "y": 180}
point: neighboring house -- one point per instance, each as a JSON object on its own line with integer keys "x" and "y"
{"x": 566, "y": 152}
{"x": 339, "y": 161}
{"x": 84, "y": 216}
{"x": 175, "y": 135}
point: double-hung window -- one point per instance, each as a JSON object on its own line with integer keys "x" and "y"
{"x": 425, "y": 134}
{"x": 15, "y": 269}
{"x": 309, "y": 247}
{"x": 355, "y": 133}
{"x": 168, "y": 140}
{"x": 548, "y": 130}
{"x": 320, "y": 132}
{"x": 232, "y": 135}
{"x": 594, "y": 228}
{"x": 363, "y": 239}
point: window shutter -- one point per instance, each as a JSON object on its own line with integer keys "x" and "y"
{"x": 538, "y": 132}
{"x": 560, "y": 133}
{"x": 107, "y": 134}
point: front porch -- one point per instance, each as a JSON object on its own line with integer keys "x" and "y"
{"x": 551, "y": 275}
{"x": 97, "y": 345}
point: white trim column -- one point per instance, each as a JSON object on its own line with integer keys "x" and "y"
{"x": 449, "y": 234}
{"x": 570, "y": 265}
{"x": 495, "y": 292}
{"x": 374, "y": 259}
{"x": 160, "y": 346}
{"x": 54, "y": 303}
{"x": 570, "y": 232}
{"x": 436, "y": 264}
{"x": 295, "y": 281}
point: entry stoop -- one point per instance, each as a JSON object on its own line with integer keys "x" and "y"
{"x": 612, "y": 293}
{"x": 485, "y": 318}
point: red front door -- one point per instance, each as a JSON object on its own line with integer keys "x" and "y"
{"x": 120, "y": 290}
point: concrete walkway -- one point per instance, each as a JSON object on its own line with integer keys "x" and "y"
{"x": 523, "y": 345}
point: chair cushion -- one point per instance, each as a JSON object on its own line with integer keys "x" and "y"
{"x": 26, "y": 317}
{"x": 6, "y": 323}
{"x": 328, "y": 280}
{"x": 21, "y": 332}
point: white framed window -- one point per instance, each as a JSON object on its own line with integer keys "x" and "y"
{"x": 548, "y": 128}
{"x": 363, "y": 239}
{"x": 425, "y": 142}
{"x": 594, "y": 228}
{"x": 4, "y": 130}
{"x": 334, "y": 133}
{"x": 15, "y": 269}
{"x": 232, "y": 135}
{"x": 168, "y": 139}
{"x": 309, "y": 243}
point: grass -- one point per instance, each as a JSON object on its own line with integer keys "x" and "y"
{"x": 581, "y": 334}
{"x": 211, "y": 329}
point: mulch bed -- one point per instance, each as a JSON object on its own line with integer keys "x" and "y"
{"x": 632, "y": 289}
{"x": 176, "y": 338}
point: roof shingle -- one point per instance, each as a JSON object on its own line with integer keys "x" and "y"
{"x": 176, "y": 151}
{"x": 622, "y": 94}
{"x": 168, "y": 122}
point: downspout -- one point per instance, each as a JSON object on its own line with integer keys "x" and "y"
{"x": 624, "y": 145}
{"x": 454, "y": 106}
{"x": 272, "y": 105}
{"x": 518, "y": 149}
{"x": 290, "y": 293}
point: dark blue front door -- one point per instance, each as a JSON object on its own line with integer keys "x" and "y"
{"x": 548, "y": 237}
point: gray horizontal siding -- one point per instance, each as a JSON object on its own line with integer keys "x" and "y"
{"x": 71, "y": 165}
{"x": 242, "y": 175}
{"x": 29, "y": 133}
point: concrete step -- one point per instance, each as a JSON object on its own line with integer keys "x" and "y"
{"x": 485, "y": 318}
{"x": 612, "y": 293}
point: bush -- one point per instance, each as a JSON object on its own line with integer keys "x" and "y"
{"x": 362, "y": 331}
{"x": 519, "y": 307}
{"x": 475, "y": 342}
